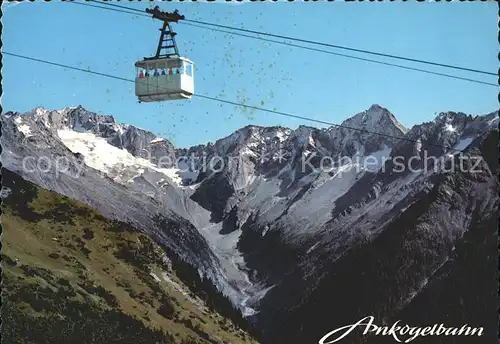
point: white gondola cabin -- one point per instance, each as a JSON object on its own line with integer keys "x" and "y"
{"x": 166, "y": 75}
{"x": 164, "y": 79}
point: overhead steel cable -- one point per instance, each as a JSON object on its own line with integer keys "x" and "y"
{"x": 109, "y": 8}
{"x": 280, "y": 113}
{"x": 303, "y": 47}
{"x": 351, "y": 57}
{"x": 314, "y": 42}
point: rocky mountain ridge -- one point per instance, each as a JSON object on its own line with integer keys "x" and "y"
{"x": 271, "y": 214}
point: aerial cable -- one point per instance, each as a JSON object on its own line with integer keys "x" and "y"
{"x": 110, "y": 9}
{"x": 280, "y": 113}
{"x": 350, "y": 56}
{"x": 303, "y": 47}
{"x": 315, "y": 42}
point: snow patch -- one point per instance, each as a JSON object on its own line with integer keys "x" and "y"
{"x": 102, "y": 156}
{"x": 247, "y": 151}
{"x": 448, "y": 127}
{"x": 157, "y": 140}
{"x": 24, "y": 128}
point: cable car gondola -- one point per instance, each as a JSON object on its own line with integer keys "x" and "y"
{"x": 167, "y": 75}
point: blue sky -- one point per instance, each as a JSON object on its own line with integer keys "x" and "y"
{"x": 297, "y": 81}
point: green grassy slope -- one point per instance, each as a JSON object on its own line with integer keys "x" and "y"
{"x": 73, "y": 276}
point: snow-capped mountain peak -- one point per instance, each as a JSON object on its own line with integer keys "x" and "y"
{"x": 376, "y": 119}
